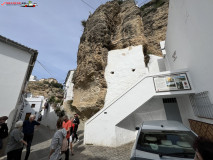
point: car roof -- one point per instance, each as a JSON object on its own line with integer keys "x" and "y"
{"x": 164, "y": 125}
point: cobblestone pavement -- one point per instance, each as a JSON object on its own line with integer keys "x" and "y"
{"x": 42, "y": 140}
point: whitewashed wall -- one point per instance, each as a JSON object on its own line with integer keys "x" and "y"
{"x": 69, "y": 87}
{"x": 124, "y": 68}
{"x": 13, "y": 66}
{"x": 187, "y": 112}
{"x": 156, "y": 64}
{"x": 151, "y": 110}
{"x": 49, "y": 118}
{"x": 189, "y": 34}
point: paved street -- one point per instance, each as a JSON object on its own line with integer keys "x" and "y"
{"x": 42, "y": 140}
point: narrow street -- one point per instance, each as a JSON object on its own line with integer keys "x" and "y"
{"x": 42, "y": 139}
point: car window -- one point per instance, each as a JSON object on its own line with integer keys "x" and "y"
{"x": 167, "y": 143}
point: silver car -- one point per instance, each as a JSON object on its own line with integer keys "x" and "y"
{"x": 163, "y": 140}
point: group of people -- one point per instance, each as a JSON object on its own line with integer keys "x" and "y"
{"x": 67, "y": 130}
{"x": 20, "y": 136}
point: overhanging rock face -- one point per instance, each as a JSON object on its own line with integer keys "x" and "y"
{"x": 112, "y": 26}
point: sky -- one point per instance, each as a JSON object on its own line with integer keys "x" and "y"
{"x": 53, "y": 28}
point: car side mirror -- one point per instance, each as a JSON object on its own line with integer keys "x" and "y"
{"x": 137, "y": 128}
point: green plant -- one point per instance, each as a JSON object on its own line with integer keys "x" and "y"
{"x": 59, "y": 112}
{"x": 159, "y": 3}
{"x": 52, "y": 100}
{"x": 56, "y": 85}
{"x": 120, "y": 2}
{"x": 83, "y": 23}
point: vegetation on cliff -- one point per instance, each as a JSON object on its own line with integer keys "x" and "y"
{"x": 53, "y": 91}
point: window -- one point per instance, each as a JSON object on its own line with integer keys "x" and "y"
{"x": 171, "y": 143}
{"x": 201, "y": 105}
{"x": 32, "y": 105}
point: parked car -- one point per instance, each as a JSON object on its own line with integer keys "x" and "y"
{"x": 160, "y": 140}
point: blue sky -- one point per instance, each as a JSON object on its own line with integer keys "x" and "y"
{"x": 53, "y": 28}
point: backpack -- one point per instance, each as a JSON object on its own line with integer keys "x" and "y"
{"x": 64, "y": 145}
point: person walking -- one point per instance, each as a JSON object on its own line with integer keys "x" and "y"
{"x": 3, "y": 130}
{"x": 15, "y": 142}
{"x": 71, "y": 135}
{"x": 76, "y": 122}
{"x": 28, "y": 130}
{"x": 56, "y": 144}
{"x": 67, "y": 126}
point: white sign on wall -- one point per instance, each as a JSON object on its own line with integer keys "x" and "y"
{"x": 173, "y": 82}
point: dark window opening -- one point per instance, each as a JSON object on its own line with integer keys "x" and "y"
{"x": 32, "y": 105}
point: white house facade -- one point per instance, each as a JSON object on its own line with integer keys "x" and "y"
{"x": 16, "y": 64}
{"x": 32, "y": 105}
{"x": 33, "y": 78}
{"x": 68, "y": 88}
{"x": 176, "y": 86}
{"x": 189, "y": 45}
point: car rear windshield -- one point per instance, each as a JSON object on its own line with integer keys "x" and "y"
{"x": 170, "y": 143}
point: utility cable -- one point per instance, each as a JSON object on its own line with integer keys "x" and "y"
{"x": 47, "y": 70}
{"x": 88, "y": 4}
{"x": 43, "y": 67}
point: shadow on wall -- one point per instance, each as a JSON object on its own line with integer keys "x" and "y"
{"x": 49, "y": 118}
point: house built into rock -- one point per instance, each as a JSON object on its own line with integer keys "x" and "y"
{"x": 176, "y": 86}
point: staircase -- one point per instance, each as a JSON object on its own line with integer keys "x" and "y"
{"x": 103, "y": 128}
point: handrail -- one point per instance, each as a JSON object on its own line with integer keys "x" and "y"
{"x": 113, "y": 101}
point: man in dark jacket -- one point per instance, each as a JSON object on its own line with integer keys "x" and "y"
{"x": 3, "y": 129}
{"x": 76, "y": 122}
{"x": 28, "y": 130}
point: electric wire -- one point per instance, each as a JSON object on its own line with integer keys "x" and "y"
{"x": 88, "y": 4}
{"x": 44, "y": 67}
{"x": 48, "y": 71}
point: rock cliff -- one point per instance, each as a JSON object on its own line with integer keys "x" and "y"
{"x": 114, "y": 25}
{"x": 51, "y": 90}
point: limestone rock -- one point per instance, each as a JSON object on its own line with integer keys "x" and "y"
{"x": 114, "y": 25}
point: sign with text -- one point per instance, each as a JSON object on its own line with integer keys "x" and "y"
{"x": 173, "y": 82}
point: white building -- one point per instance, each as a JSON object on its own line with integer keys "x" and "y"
{"x": 16, "y": 64}
{"x": 33, "y": 78}
{"x": 181, "y": 91}
{"x": 68, "y": 88}
{"x": 32, "y": 105}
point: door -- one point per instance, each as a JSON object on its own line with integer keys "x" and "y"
{"x": 171, "y": 109}
{"x": 27, "y": 116}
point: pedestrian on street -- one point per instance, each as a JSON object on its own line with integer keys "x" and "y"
{"x": 71, "y": 135}
{"x": 203, "y": 149}
{"x": 15, "y": 142}
{"x": 67, "y": 126}
{"x": 3, "y": 130}
{"x": 28, "y": 130}
{"x": 56, "y": 144}
{"x": 76, "y": 122}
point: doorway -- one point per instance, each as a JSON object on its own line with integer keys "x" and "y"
{"x": 171, "y": 109}
{"x": 27, "y": 116}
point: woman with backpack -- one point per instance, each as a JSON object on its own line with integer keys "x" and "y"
{"x": 58, "y": 145}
